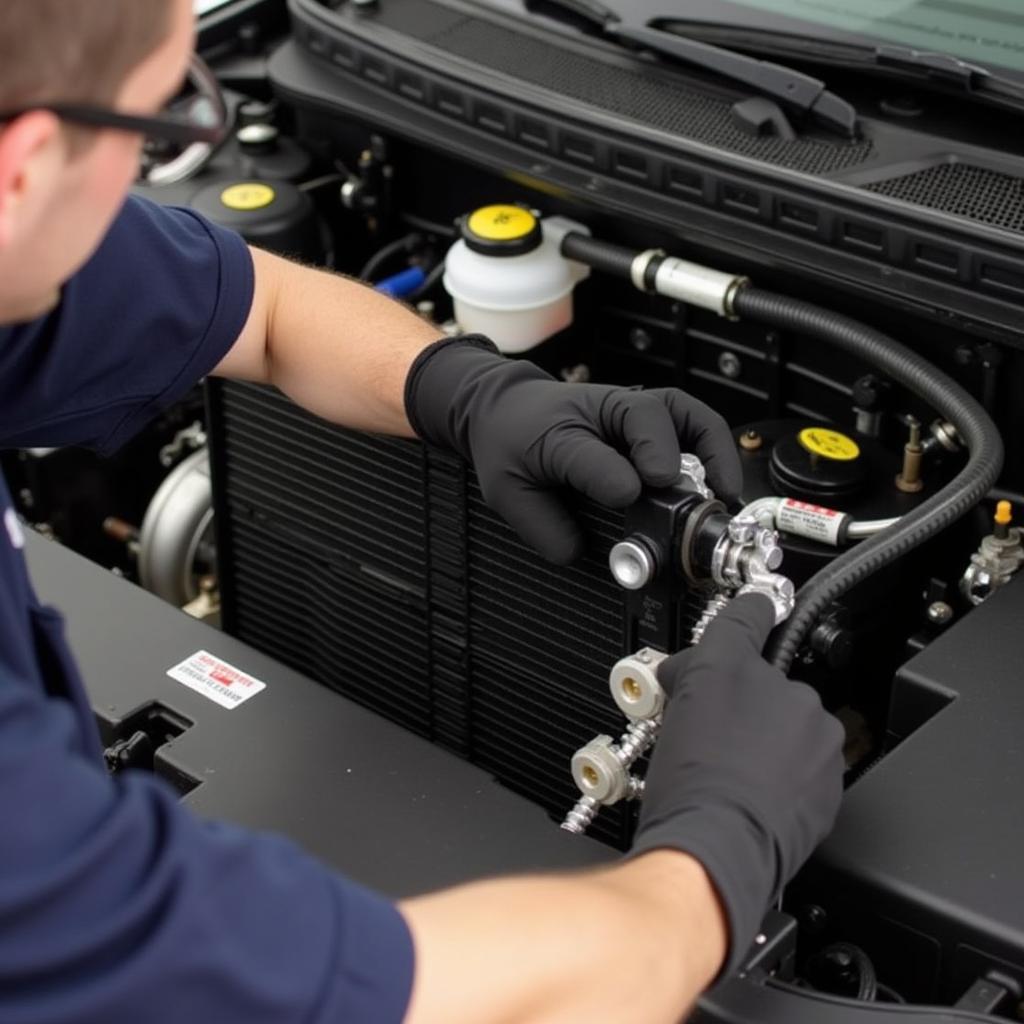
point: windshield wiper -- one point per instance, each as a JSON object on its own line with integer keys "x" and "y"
{"x": 797, "y": 92}
{"x": 973, "y": 80}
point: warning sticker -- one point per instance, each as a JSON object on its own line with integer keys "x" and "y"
{"x": 811, "y": 521}
{"x": 216, "y": 679}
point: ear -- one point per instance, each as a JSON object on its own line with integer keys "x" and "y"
{"x": 30, "y": 153}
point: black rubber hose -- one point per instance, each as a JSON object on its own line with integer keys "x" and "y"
{"x": 405, "y": 244}
{"x": 603, "y": 256}
{"x": 941, "y": 392}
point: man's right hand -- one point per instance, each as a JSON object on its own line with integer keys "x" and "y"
{"x": 747, "y": 773}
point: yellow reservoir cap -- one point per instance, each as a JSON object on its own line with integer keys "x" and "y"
{"x": 501, "y": 222}
{"x": 829, "y": 444}
{"x": 1004, "y": 513}
{"x": 250, "y": 195}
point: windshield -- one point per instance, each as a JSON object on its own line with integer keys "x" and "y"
{"x": 987, "y": 31}
{"x": 202, "y": 7}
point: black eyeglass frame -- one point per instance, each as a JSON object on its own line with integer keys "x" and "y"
{"x": 179, "y": 130}
{"x": 182, "y": 131}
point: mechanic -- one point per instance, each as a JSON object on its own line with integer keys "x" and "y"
{"x": 115, "y": 902}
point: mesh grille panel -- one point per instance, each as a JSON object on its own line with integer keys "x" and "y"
{"x": 682, "y": 111}
{"x": 961, "y": 189}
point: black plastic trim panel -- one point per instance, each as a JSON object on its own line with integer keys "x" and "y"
{"x": 981, "y": 262}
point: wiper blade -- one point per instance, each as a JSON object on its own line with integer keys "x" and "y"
{"x": 942, "y": 66}
{"x": 796, "y": 90}
{"x": 793, "y": 89}
{"x": 975, "y": 80}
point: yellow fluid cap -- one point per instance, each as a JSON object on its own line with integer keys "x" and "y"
{"x": 250, "y": 195}
{"x": 502, "y": 230}
{"x": 501, "y": 222}
{"x": 829, "y": 444}
{"x": 1004, "y": 513}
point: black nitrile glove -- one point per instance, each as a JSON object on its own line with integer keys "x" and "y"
{"x": 527, "y": 435}
{"x": 748, "y": 769}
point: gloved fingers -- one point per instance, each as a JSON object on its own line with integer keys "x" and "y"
{"x": 705, "y": 432}
{"x": 741, "y": 628}
{"x": 738, "y": 632}
{"x": 540, "y": 518}
{"x": 672, "y": 671}
{"x": 637, "y": 420}
{"x": 577, "y": 459}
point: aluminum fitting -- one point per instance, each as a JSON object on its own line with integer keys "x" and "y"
{"x": 778, "y": 589}
{"x": 634, "y": 684}
{"x": 632, "y": 564}
{"x": 692, "y": 469}
{"x": 598, "y": 772}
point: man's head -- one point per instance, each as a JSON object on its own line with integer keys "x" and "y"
{"x": 61, "y": 186}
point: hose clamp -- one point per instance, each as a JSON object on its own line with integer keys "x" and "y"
{"x": 638, "y": 268}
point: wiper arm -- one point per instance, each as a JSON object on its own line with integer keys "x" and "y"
{"x": 799, "y": 92}
{"x": 794, "y": 89}
{"x": 945, "y": 69}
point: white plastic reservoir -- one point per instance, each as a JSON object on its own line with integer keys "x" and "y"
{"x": 508, "y": 279}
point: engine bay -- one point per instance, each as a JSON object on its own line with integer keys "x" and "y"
{"x": 849, "y": 300}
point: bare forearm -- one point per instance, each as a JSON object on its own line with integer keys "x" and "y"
{"x": 337, "y": 347}
{"x": 635, "y": 942}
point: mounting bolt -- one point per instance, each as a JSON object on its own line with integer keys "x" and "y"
{"x": 751, "y": 441}
{"x": 909, "y": 478}
{"x": 641, "y": 340}
{"x": 729, "y": 365}
{"x": 939, "y": 613}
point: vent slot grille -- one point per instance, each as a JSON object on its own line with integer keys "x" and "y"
{"x": 964, "y": 190}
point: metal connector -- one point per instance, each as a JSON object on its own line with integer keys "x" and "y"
{"x": 698, "y": 286}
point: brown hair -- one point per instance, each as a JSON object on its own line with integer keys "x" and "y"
{"x": 75, "y": 50}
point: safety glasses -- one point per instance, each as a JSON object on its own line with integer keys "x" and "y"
{"x": 204, "y": 120}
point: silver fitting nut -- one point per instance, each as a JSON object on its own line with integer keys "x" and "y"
{"x": 742, "y": 529}
{"x": 692, "y": 469}
{"x": 598, "y": 772}
{"x": 634, "y": 684}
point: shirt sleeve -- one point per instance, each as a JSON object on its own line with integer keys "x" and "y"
{"x": 117, "y": 904}
{"x": 158, "y": 305}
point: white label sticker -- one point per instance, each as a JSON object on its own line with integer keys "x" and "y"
{"x": 811, "y": 521}
{"x": 216, "y": 679}
{"x": 14, "y": 529}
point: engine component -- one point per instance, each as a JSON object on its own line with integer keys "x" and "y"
{"x": 508, "y": 277}
{"x": 735, "y": 296}
{"x": 814, "y": 522}
{"x": 909, "y": 479}
{"x": 972, "y": 423}
{"x": 999, "y": 557}
{"x": 273, "y": 214}
{"x": 655, "y": 271}
{"x": 175, "y": 541}
{"x": 206, "y": 103}
{"x": 733, "y": 556}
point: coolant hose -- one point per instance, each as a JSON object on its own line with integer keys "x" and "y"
{"x": 941, "y": 392}
{"x": 603, "y": 256}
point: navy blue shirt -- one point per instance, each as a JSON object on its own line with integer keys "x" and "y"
{"x": 116, "y": 903}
